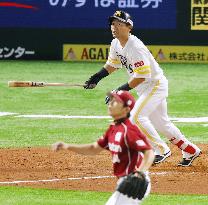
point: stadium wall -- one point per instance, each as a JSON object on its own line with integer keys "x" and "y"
{"x": 47, "y": 43}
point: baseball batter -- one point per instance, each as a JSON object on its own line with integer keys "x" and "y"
{"x": 146, "y": 76}
{"x": 130, "y": 151}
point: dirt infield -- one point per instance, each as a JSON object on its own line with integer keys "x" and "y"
{"x": 41, "y": 163}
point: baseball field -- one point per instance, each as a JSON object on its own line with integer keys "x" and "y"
{"x": 31, "y": 119}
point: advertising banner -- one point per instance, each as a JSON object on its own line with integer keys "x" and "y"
{"x": 162, "y": 53}
{"x": 147, "y": 14}
{"x": 199, "y": 14}
{"x": 17, "y": 52}
{"x": 180, "y": 54}
{"x": 74, "y": 52}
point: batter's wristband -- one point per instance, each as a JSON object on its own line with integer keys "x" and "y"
{"x": 124, "y": 87}
{"x": 100, "y": 75}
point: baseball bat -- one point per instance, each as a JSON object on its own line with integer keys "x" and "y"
{"x": 39, "y": 84}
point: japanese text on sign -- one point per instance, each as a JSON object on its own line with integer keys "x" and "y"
{"x": 162, "y": 53}
{"x": 107, "y": 3}
{"x": 18, "y": 52}
{"x": 199, "y": 15}
{"x": 190, "y": 56}
{"x": 152, "y": 14}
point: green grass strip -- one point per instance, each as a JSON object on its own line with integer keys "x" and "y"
{"x": 31, "y": 196}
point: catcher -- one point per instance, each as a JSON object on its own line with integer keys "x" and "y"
{"x": 132, "y": 155}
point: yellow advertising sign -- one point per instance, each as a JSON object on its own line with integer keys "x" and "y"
{"x": 162, "y": 53}
{"x": 180, "y": 54}
{"x": 199, "y": 14}
{"x": 75, "y": 52}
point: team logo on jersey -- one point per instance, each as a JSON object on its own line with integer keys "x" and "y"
{"x": 115, "y": 149}
{"x": 124, "y": 62}
{"x": 139, "y": 64}
{"x": 118, "y": 136}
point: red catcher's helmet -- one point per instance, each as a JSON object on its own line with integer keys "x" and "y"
{"x": 123, "y": 96}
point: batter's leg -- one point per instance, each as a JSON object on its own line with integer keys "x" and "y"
{"x": 145, "y": 105}
{"x": 162, "y": 123}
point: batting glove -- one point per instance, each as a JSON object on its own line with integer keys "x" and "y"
{"x": 94, "y": 79}
{"x": 91, "y": 83}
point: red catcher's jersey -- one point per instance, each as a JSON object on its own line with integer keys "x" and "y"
{"x": 126, "y": 144}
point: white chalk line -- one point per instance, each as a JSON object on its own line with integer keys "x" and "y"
{"x": 175, "y": 119}
{"x": 64, "y": 116}
{"x": 55, "y": 180}
{"x": 68, "y": 179}
{"x": 7, "y": 113}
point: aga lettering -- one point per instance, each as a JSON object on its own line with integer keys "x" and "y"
{"x": 94, "y": 54}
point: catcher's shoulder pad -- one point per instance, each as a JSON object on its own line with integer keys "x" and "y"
{"x": 134, "y": 185}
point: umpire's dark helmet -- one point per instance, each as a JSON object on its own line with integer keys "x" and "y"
{"x": 121, "y": 16}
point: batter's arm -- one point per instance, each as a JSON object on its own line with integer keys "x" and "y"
{"x": 109, "y": 68}
{"x": 134, "y": 82}
{"x": 94, "y": 79}
{"x": 86, "y": 149}
{"x": 147, "y": 160}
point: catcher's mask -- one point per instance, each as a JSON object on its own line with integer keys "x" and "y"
{"x": 121, "y": 16}
{"x": 123, "y": 96}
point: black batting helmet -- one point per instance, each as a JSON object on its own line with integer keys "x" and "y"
{"x": 121, "y": 16}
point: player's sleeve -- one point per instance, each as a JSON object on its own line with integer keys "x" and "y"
{"x": 141, "y": 63}
{"x": 137, "y": 140}
{"x": 103, "y": 141}
{"x": 113, "y": 59}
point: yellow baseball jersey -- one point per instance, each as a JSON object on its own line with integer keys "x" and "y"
{"x": 136, "y": 58}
